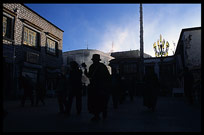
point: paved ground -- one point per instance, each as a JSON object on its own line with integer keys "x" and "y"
{"x": 173, "y": 114}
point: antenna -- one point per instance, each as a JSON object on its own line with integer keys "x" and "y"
{"x": 112, "y": 47}
{"x": 86, "y": 42}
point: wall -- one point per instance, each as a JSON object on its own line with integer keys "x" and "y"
{"x": 27, "y": 14}
{"x": 192, "y": 48}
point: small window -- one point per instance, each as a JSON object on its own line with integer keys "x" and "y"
{"x": 51, "y": 46}
{"x": 30, "y": 37}
{"x": 8, "y": 27}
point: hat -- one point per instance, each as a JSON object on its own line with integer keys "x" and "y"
{"x": 96, "y": 57}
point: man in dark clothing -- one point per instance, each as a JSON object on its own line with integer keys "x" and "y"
{"x": 61, "y": 92}
{"x": 151, "y": 89}
{"x": 40, "y": 92}
{"x": 27, "y": 85}
{"x": 123, "y": 85}
{"x": 75, "y": 87}
{"x": 98, "y": 90}
{"x": 131, "y": 88}
{"x": 116, "y": 88}
{"x": 188, "y": 85}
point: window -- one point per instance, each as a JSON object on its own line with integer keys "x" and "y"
{"x": 8, "y": 22}
{"x": 4, "y": 25}
{"x": 29, "y": 37}
{"x": 51, "y": 46}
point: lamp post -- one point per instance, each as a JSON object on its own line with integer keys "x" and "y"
{"x": 141, "y": 44}
{"x": 161, "y": 51}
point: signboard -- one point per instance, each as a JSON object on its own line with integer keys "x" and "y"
{"x": 32, "y": 57}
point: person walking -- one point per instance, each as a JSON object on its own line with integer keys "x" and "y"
{"x": 98, "y": 89}
{"x": 116, "y": 88}
{"x": 61, "y": 92}
{"x": 75, "y": 87}
{"x": 27, "y": 85}
{"x": 40, "y": 92}
{"x": 151, "y": 89}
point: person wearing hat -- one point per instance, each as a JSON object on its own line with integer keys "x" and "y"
{"x": 98, "y": 88}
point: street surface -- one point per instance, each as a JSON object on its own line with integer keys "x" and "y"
{"x": 173, "y": 114}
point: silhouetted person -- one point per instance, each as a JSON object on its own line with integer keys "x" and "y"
{"x": 131, "y": 88}
{"x": 98, "y": 90}
{"x": 27, "y": 85}
{"x": 188, "y": 85}
{"x": 40, "y": 92}
{"x": 151, "y": 89}
{"x": 84, "y": 89}
{"x": 116, "y": 88}
{"x": 123, "y": 90}
{"x": 75, "y": 87}
{"x": 61, "y": 92}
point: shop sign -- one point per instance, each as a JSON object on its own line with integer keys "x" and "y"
{"x": 32, "y": 57}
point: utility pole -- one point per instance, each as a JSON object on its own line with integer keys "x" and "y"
{"x": 141, "y": 44}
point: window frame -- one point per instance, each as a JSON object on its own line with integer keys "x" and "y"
{"x": 48, "y": 49}
{"x": 9, "y": 31}
{"x": 37, "y": 37}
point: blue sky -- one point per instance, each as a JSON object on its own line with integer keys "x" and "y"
{"x": 100, "y": 25}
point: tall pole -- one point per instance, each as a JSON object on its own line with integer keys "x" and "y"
{"x": 141, "y": 44}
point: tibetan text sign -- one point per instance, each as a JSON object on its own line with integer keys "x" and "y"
{"x": 32, "y": 57}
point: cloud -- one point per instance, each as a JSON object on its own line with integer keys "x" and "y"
{"x": 125, "y": 34}
{"x": 168, "y": 23}
{"x": 123, "y": 37}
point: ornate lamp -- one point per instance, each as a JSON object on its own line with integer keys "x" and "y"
{"x": 159, "y": 49}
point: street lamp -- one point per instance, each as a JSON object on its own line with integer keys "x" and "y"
{"x": 159, "y": 48}
{"x": 161, "y": 51}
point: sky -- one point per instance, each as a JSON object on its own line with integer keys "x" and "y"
{"x": 116, "y": 27}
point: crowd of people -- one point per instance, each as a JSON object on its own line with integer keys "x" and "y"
{"x": 102, "y": 86}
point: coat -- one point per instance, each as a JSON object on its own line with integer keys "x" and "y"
{"x": 98, "y": 89}
{"x": 75, "y": 83}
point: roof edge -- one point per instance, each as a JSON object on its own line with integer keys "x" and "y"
{"x": 40, "y": 16}
{"x": 182, "y": 31}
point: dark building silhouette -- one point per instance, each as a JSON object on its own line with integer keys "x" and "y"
{"x": 188, "y": 54}
{"x": 170, "y": 69}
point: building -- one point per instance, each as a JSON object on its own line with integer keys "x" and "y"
{"x": 129, "y": 54}
{"x": 127, "y": 65}
{"x": 31, "y": 45}
{"x": 168, "y": 69}
{"x": 165, "y": 68}
{"x": 188, "y": 54}
{"x": 127, "y": 62}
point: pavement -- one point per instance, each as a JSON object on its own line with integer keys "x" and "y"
{"x": 173, "y": 114}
